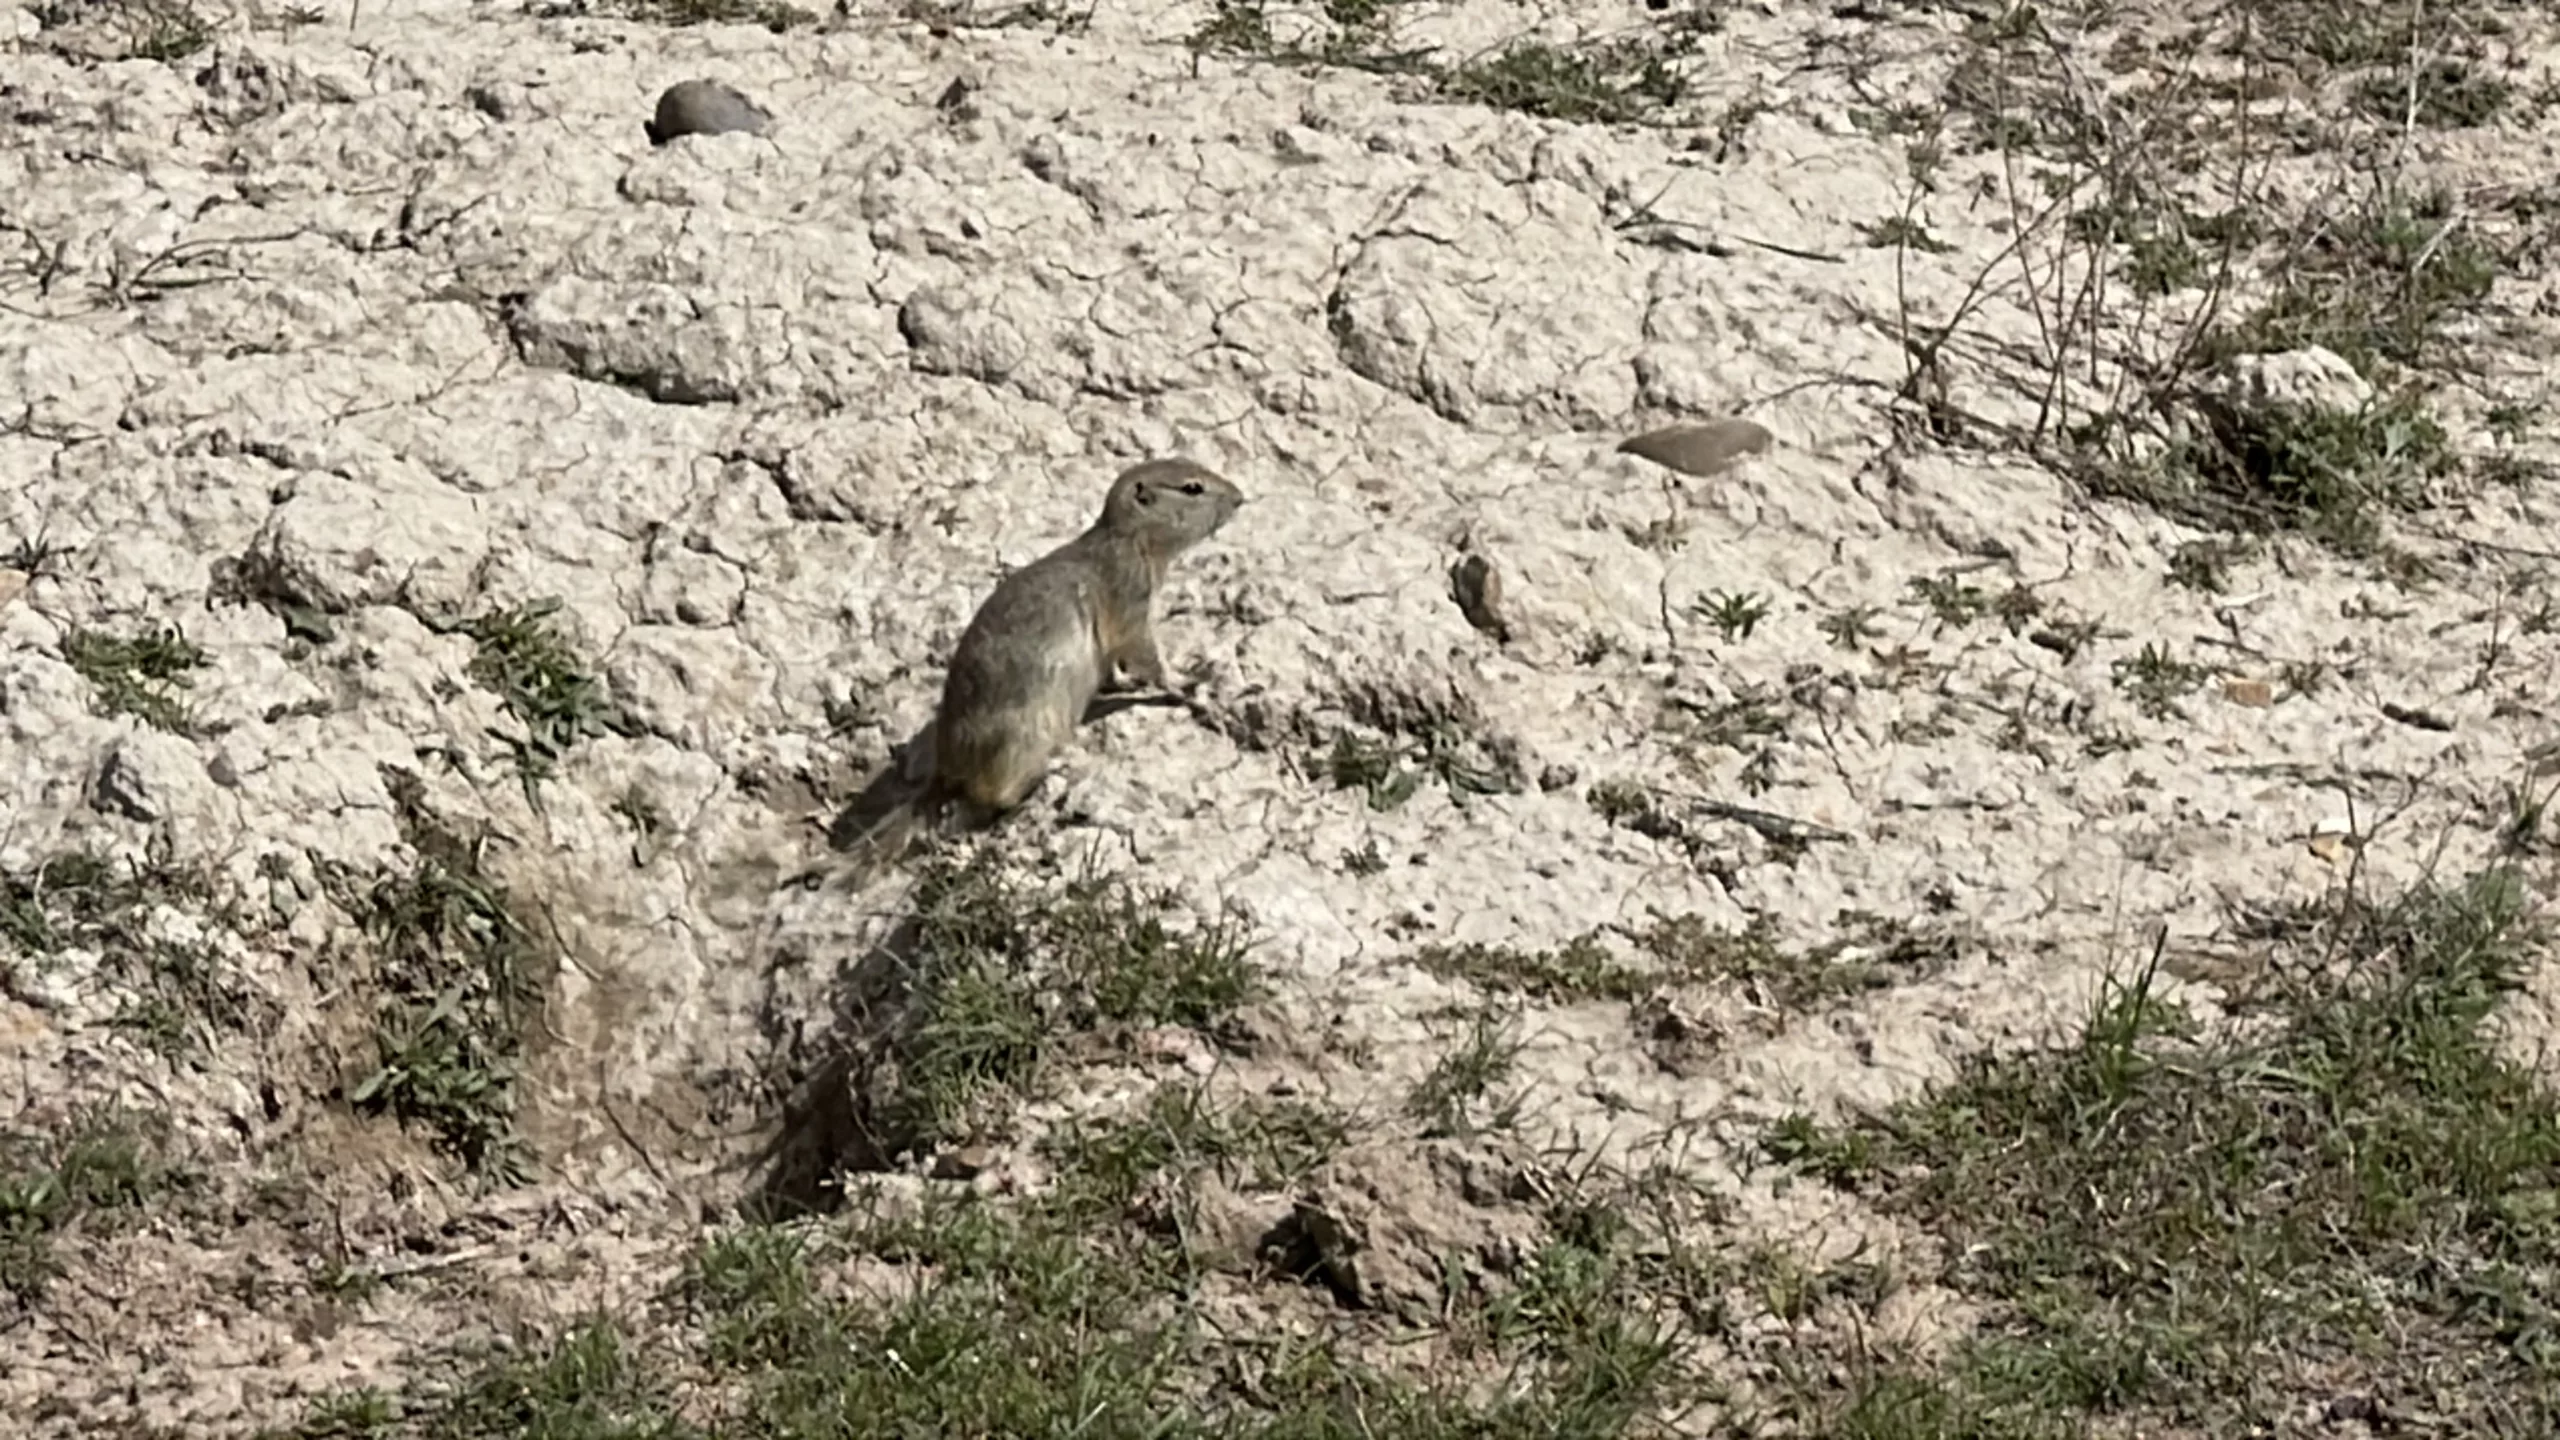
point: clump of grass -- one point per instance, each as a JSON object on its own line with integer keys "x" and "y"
{"x": 1259, "y": 1143}
{"x": 1351, "y": 35}
{"x": 1613, "y": 82}
{"x": 1627, "y": 80}
{"x": 459, "y": 976}
{"x": 2205, "y": 565}
{"x": 2329, "y": 474}
{"x": 1462, "y": 1094}
{"x": 1735, "y": 615}
{"x": 179, "y": 992}
{"x": 536, "y": 672}
{"x": 1051, "y": 1315}
{"x": 38, "y": 556}
{"x": 773, "y": 15}
{"x": 1391, "y": 769}
{"x": 137, "y": 674}
{"x": 1000, "y": 982}
{"x": 1871, "y": 953}
{"x": 2442, "y": 93}
{"x": 2157, "y": 680}
{"x": 594, "y": 1380}
{"x": 2348, "y": 1201}
{"x": 1686, "y": 950}
{"x": 1580, "y": 969}
{"x": 147, "y": 29}
{"x": 97, "y": 1163}
{"x": 2384, "y": 282}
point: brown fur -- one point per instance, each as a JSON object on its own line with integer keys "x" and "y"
{"x": 1045, "y": 644}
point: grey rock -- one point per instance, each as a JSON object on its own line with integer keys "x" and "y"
{"x": 704, "y": 107}
{"x": 150, "y": 776}
{"x": 1700, "y": 449}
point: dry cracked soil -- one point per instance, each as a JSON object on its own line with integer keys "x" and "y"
{"x": 2006, "y": 900}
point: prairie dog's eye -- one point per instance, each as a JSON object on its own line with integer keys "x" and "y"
{"x": 1191, "y": 487}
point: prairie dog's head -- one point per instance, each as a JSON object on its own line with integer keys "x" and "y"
{"x": 1173, "y": 504}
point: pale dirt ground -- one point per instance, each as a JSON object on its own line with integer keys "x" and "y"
{"x": 894, "y": 349}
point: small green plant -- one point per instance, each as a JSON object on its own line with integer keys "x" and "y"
{"x": 1371, "y": 766}
{"x": 2157, "y": 680}
{"x": 529, "y": 663}
{"x": 2328, "y": 473}
{"x": 138, "y": 674}
{"x": 1752, "y": 714}
{"x": 176, "y": 991}
{"x": 1839, "y": 1157}
{"x": 460, "y": 976}
{"x": 98, "y": 1162}
{"x": 1389, "y": 770}
{"x": 1001, "y": 981}
{"x": 1580, "y": 969}
{"x": 772, "y": 15}
{"x": 2205, "y": 565}
{"x": 1734, "y": 616}
{"x": 1605, "y": 83}
{"x": 1457, "y": 1097}
{"x": 36, "y": 556}
{"x": 1255, "y": 1144}
{"x": 2443, "y": 93}
{"x": 1618, "y": 801}
{"x": 1951, "y": 600}
{"x": 2384, "y": 282}
{"x": 1851, "y": 627}
{"x": 1353, "y": 36}
{"x": 2356, "y": 1156}
{"x": 163, "y": 30}
{"x": 1902, "y": 232}
{"x": 639, "y": 810}
{"x": 1675, "y": 950}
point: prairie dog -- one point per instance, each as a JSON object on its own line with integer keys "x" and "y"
{"x": 1046, "y": 642}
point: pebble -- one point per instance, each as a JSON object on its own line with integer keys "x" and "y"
{"x": 703, "y": 107}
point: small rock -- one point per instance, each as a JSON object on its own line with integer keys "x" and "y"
{"x": 966, "y": 1163}
{"x": 1297, "y": 145}
{"x": 2416, "y": 719}
{"x": 149, "y": 776}
{"x": 704, "y": 107}
{"x": 1702, "y": 448}
{"x": 958, "y": 101}
{"x": 2311, "y": 378}
{"x": 506, "y": 101}
{"x": 1477, "y": 587}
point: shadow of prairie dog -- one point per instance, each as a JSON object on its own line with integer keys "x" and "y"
{"x": 1039, "y": 653}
